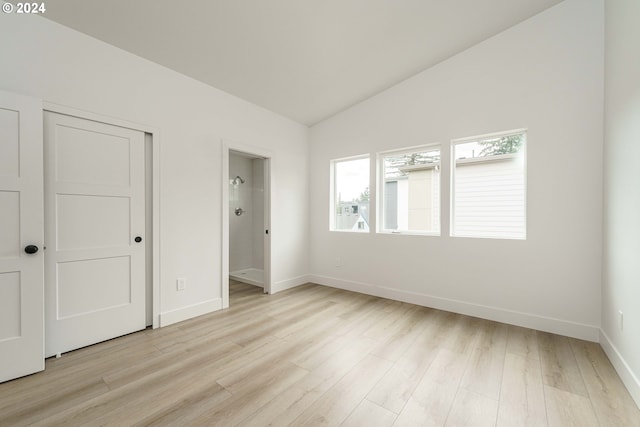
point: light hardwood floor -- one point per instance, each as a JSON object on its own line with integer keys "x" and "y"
{"x": 315, "y": 355}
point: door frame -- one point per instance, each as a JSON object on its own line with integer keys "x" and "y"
{"x": 155, "y": 186}
{"x": 268, "y": 157}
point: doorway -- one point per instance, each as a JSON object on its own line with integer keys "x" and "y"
{"x": 246, "y": 219}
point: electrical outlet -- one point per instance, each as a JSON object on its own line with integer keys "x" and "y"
{"x": 621, "y": 319}
{"x": 181, "y": 284}
{"x": 338, "y": 262}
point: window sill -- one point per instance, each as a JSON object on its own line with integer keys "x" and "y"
{"x": 409, "y": 233}
{"x": 489, "y": 237}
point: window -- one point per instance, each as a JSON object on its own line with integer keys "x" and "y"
{"x": 350, "y": 194}
{"x": 489, "y": 192}
{"x": 410, "y": 186}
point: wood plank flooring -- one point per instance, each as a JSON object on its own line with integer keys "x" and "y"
{"x": 320, "y": 356}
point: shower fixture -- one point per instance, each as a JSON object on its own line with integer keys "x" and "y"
{"x": 237, "y": 180}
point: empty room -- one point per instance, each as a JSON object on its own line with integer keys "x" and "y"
{"x": 345, "y": 213}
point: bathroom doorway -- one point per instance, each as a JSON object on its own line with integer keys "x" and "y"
{"x": 246, "y": 219}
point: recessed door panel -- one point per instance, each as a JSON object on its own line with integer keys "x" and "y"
{"x": 95, "y": 156}
{"x": 9, "y": 224}
{"x": 94, "y": 210}
{"x": 10, "y": 306}
{"x": 9, "y": 143}
{"x": 85, "y": 221}
{"x": 93, "y": 285}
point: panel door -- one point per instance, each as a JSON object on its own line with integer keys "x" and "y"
{"x": 21, "y": 224}
{"x": 95, "y": 224}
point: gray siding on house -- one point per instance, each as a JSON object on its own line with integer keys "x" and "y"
{"x": 391, "y": 205}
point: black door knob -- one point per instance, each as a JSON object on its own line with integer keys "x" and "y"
{"x": 138, "y": 239}
{"x": 31, "y": 249}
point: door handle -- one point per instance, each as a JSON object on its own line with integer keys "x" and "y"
{"x": 138, "y": 239}
{"x": 31, "y": 249}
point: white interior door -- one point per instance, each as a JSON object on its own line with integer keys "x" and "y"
{"x": 21, "y": 225}
{"x": 95, "y": 224}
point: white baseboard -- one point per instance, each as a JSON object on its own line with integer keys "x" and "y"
{"x": 527, "y": 320}
{"x": 183, "y": 313}
{"x": 289, "y": 283}
{"x": 629, "y": 379}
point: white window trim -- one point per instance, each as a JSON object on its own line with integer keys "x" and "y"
{"x": 380, "y": 193}
{"x": 333, "y": 192}
{"x": 461, "y": 162}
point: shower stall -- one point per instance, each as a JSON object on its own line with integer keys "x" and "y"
{"x": 246, "y": 218}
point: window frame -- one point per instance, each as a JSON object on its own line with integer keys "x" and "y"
{"x": 333, "y": 193}
{"x": 380, "y": 196}
{"x": 452, "y": 187}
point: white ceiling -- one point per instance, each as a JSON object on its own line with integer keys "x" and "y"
{"x": 304, "y": 59}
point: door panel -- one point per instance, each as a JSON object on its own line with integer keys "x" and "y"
{"x": 106, "y": 158}
{"x": 93, "y": 285}
{"x": 95, "y": 208}
{"x": 10, "y": 220}
{"x": 9, "y": 313}
{"x": 9, "y": 142}
{"x": 21, "y": 224}
{"x": 105, "y": 221}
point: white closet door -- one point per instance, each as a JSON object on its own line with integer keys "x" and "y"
{"x": 21, "y": 231}
{"x": 95, "y": 224}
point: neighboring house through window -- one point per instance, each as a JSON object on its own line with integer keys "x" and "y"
{"x": 489, "y": 186}
{"x": 410, "y": 190}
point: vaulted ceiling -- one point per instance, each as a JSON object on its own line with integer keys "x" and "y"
{"x": 304, "y": 59}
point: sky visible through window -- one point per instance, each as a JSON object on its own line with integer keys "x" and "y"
{"x": 352, "y": 178}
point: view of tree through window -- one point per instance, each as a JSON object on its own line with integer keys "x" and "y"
{"x": 495, "y": 146}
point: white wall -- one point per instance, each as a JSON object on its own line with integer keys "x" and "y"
{"x": 46, "y": 60}
{"x": 621, "y": 276}
{"x": 545, "y": 75}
